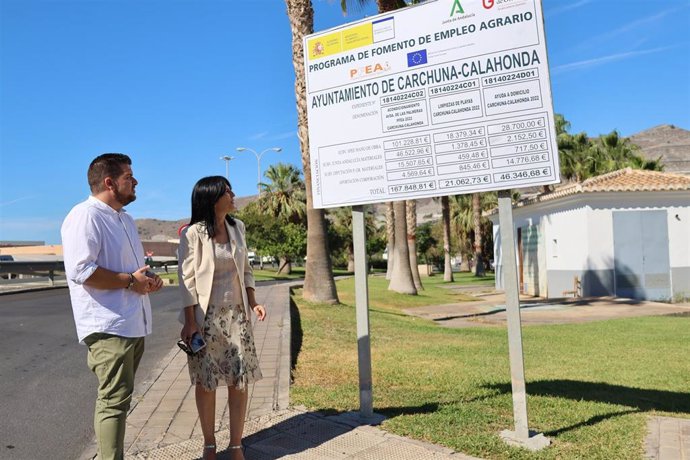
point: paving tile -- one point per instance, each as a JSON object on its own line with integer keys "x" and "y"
{"x": 398, "y": 451}
{"x": 354, "y": 441}
{"x": 669, "y": 453}
{"x": 317, "y": 431}
{"x": 281, "y": 445}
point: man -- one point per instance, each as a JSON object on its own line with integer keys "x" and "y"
{"x": 109, "y": 286}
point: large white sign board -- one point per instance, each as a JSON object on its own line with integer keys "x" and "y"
{"x": 444, "y": 98}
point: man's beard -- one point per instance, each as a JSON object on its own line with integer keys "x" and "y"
{"x": 123, "y": 199}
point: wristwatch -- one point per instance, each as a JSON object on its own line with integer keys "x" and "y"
{"x": 131, "y": 280}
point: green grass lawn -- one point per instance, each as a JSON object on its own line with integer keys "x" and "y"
{"x": 590, "y": 386}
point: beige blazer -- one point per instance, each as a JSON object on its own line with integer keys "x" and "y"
{"x": 196, "y": 264}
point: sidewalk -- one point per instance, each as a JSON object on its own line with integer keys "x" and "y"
{"x": 163, "y": 422}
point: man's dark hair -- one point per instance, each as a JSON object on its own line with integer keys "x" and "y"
{"x": 106, "y": 165}
{"x": 207, "y": 191}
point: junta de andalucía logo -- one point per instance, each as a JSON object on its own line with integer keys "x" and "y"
{"x": 457, "y": 8}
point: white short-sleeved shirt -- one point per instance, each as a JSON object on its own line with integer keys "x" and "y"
{"x": 95, "y": 235}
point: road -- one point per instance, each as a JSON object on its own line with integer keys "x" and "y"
{"x": 47, "y": 392}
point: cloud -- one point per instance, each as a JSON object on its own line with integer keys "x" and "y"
{"x": 257, "y": 136}
{"x": 16, "y": 200}
{"x": 266, "y": 136}
{"x": 285, "y": 135}
{"x": 633, "y": 26}
{"x": 580, "y": 65}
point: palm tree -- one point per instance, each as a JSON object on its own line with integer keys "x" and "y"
{"x": 582, "y": 158}
{"x": 390, "y": 234}
{"x": 341, "y": 219}
{"x": 319, "y": 285}
{"x": 445, "y": 213}
{"x": 401, "y": 278}
{"x": 575, "y": 155}
{"x": 282, "y": 197}
{"x": 383, "y": 5}
{"x": 400, "y": 269}
{"x": 411, "y": 219}
{"x": 462, "y": 224}
{"x": 470, "y": 226}
{"x": 477, "y": 224}
{"x": 620, "y": 153}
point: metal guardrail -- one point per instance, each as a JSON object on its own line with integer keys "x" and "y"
{"x": 50, "y": 267}
{"x": 36, "y": 268}
{"x": 162, "y": 264}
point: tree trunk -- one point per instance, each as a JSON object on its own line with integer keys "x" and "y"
{"x": 319, "y": 285}
{"x": 465, "y": 264}
{"x": 390, "y": 233}
{"x": 411, "y": 218}
{"x": 385, "y": 6}
{"x": 284, "y": 267}
{"x": 477, "y": 221}
{"x": 445, "y": 212}
{"x": 401, "y": 279}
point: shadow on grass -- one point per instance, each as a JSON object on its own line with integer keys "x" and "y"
{"x": 636, "y": 399}
{"x": 296, "y": 336}
{"x": 641, "y": 399}
{"x": 391, "y": 412}
{"x": 389, "y": 313}
{"x": 590, "y": 422}
{"x": 497, "y": 309}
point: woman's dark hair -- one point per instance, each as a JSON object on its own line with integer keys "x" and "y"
{"x": 106, "y": 165}
{"x": 207, "y": 191}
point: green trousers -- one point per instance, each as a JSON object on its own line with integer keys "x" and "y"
{"x": 114, "y": 360}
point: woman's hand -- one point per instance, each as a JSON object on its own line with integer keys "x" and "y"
{"x": 260, "y": 311}
{"x": 188, "y": 330}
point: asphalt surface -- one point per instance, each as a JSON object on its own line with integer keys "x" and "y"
{"x": 47, "y": 392}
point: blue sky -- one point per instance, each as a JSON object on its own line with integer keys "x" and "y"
{"x": 178, "y": 83}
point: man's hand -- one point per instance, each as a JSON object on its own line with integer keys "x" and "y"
{"x": 143, "y": 283}
{"x": 156, "y": 281}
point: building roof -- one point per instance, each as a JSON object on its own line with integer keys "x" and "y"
{"x": 623, "y": 180}
{"x": 629, "y": 180}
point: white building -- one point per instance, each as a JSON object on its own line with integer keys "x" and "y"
{"x": 626, "y": 233}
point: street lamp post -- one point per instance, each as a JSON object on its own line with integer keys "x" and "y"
{"x": 227, "y": 165}
{"x": 258, "y": 162}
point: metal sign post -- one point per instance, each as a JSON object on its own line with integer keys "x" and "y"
{"x": 433, "y": 100}
{"x": 366, "y": 403}
{"x": 521, "y": 435}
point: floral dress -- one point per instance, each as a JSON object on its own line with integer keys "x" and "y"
{"x": 229, "y": 357}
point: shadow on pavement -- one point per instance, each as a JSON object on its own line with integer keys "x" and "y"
{"x": 316, "y": 433}
{"x": 323, "y": 434}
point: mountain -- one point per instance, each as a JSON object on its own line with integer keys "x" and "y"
{"x": 164, "y": 230}
{"x": 669, "y": 142}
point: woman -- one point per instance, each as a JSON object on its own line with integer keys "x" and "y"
{"x": 217, "y": 287}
